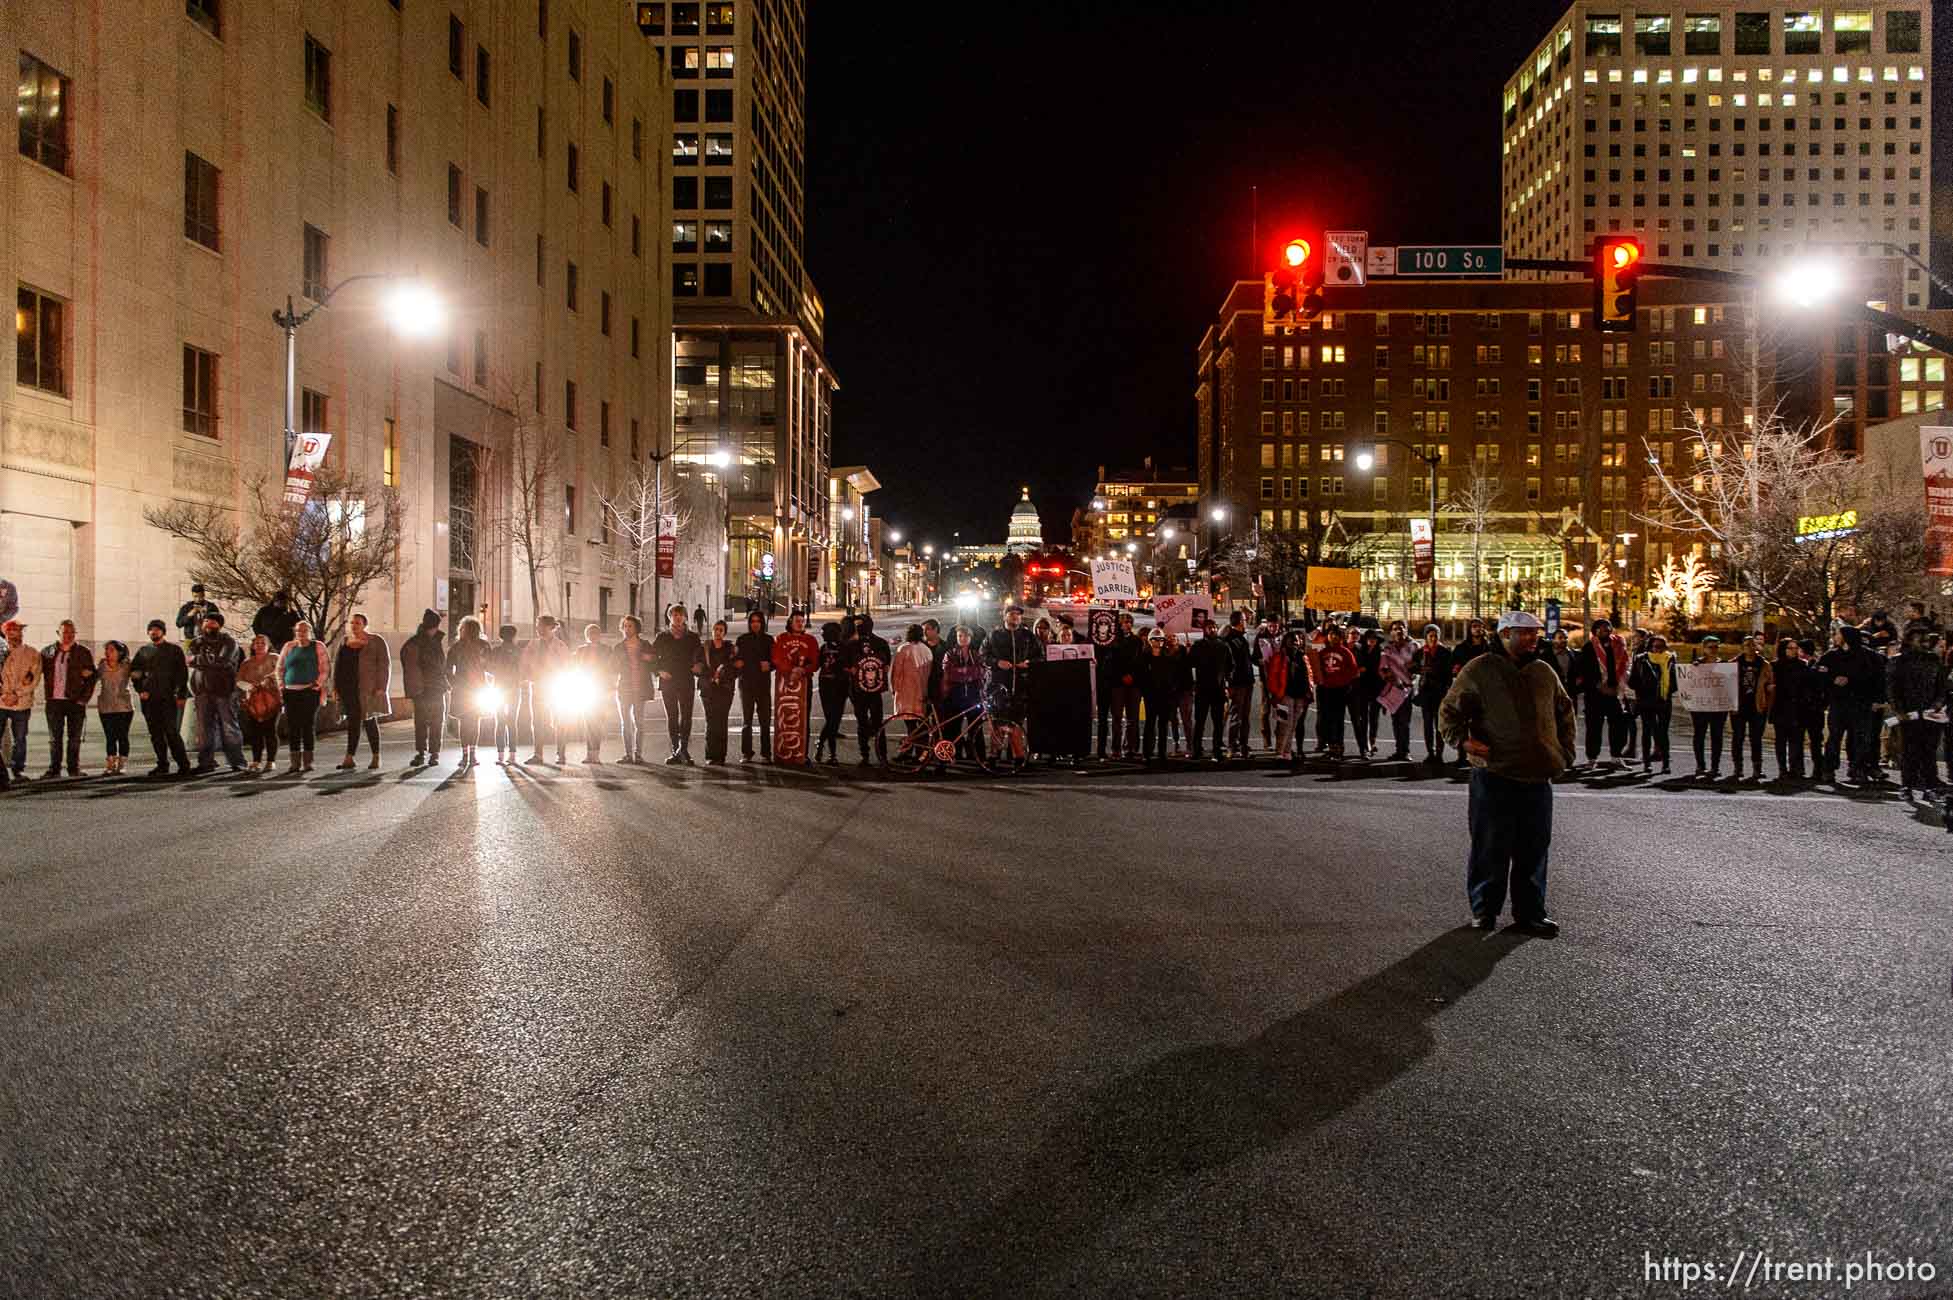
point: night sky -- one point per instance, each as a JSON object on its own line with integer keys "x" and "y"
{"x": 1022, "y": 218}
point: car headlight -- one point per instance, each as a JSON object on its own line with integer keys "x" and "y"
{"x": 572, "y": 693}
{"x": 488, "y": 699}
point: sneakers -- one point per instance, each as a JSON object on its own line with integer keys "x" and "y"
{"x": 1543, "y": 926}
{"x": 417, "y": 759}
{"x": 1484, "y": 921}
{"x": 345, "y": 764}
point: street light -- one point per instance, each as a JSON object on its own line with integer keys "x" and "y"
{"x": 413, "y": 309}
{"x": 1365, "y": 460}
{"x": 1809, "y": 283}
{"x": 847, "y": 512}
{"x": 1132, "y": 548}
{"x": 1219, "y": 514}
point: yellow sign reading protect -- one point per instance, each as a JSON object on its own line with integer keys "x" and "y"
{"x": 1334, "y": 589}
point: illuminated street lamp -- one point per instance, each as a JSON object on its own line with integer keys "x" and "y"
{"x": 412, "y": 308}
{"x": 1809, "y": 283}
{"x": 1365, "y": 460}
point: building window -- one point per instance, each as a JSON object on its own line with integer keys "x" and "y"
{"x": 199, "y": 392}
{"x": 603, "y": 313}
{"x": 1752, "y": 33}
{"x": 205, "y": 14}
{"x": 481, "y": 75}
{"x": 718, "y": 106}
{"x": 457, "y": 42}
{"x": 637, "y": 235}
{"x": 604, "y": 203}
{"x": 539, "y": 262}
{"x": 569, "y": 405}
{"x": 389, "y": 452}
{"x": 574, "y": 161}
{"x": 312, "y": 412}
{"x": 684, "y": 191}
{"x": 1852, "y": 29}
{"x": 684, "y": 280}
{"x": 1902, "y": 31}
{"x": 684, "y": 106}
{"x": 569, "y": 523}
{"x": 718, "y": 280}
{"x": 318, "y": 248}
{"x": 393, "y": 140}
{"x": 481, "y": 358}
{"x": 718, "y": 61}
{"x": 1702, "y": 34}
{"x": 199, "y": 201}
{"x": 609, "y": 102}
{"x": 42, "y": 105}
{"x": 684, "y": 236}
{"x": 1803, "y": 32}
{"x": 454, "y": 195}
{"x": 570, "y": 286}
{"x": 718, "y": 149}
{"x": 576, "y": 56}
{"x": 684, "y": 148}
{"x": 634, "y": 443}
{"x": 603, "y": 424}
{"x": 481, "y": 216}
{"x": 718, "y": 236}
{"x": 1651, "y": 35}
{"x": 637, "y": 138}
{"x": 633, "y": 336}
{"x": 718, "y": 192}
{"x": 718, "y": 19}
{"x": 318, "y": 78}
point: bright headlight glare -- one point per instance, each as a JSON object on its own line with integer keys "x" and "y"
{"x": 488, "y": 699}
{"x": 572, "y": 694}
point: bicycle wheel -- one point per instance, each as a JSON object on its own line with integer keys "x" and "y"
{"x": 905, "y": 753}
{"x": 1005, "y": 748}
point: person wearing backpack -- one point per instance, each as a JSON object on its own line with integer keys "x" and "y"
{"x": 213, "y": 684}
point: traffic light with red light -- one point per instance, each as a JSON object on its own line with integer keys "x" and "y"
{"x": 1285, "y": 290}
{"x": 1617, "y": 266}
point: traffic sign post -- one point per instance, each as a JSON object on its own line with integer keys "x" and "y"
{"x": 1449, "y": 260}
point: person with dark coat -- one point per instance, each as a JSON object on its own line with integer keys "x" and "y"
{"x": 1916, "y": 683}
{"x": 1813, "y": 703}
{"x": 190, "y": 614}
{"x": 1212, "y": 666}
{"x": 1013, "y": 651}
{"x": 505, "y": 671}
{"x": 866, "y": 661}
{"x": 698, "y": 619}
{"x": 1288, "y": 681}
{"x": 214, "y": 662}
{"x": 1655, "y": 681}
{"x": 424, "y": 673}
{"x": 1598, "y": 677}
{"x": 67, "y": 680}
{"x": 679, "y": 656}
{"x": 160, "y": 673}
{"x": 468, "y": 675}
{"x": 362, "y": 682}
{"x": 1880, "y": 633}
{"x": 960, "y": 688}
{"x": 715, "y": 688}
{"x": 275, "y": 620}
{"x": 1155, "y": 677}
{"x": 833, "y": 684}
{"x": 1105, "y": 670}
{"x": 753, "y": 662}
{"x": 1476, "y": 643}
{"x": 1790, "y": 674}
{"x": 1240, "y": 683}
{"x": 1127, "y": 667}
{"x": 1365, "y": 690}
{"x": 1434, "y": 667}
{"x": 1756, "y": 689}
{"x": 1856, "y": 677}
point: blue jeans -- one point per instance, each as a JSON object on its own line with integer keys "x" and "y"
{"x": 16, "y": 721}
{"x": 1512, "y": 827}
{"x": 217, "y": 716}
{"x": 633, "y": 714}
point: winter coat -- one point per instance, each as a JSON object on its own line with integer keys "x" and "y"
{"x": 275, "y": 624}
{"x": 1335, "y": 667}
{"x": 1863, "y": 671}
{"x": 505, "y": 667}
{"x": 753, "y": 653}
{"x": 543, "y": 657}
{"x": 468, "y": 670}
{"x": 375, "y": 676}
{"x": 1369, "y": 668}
{"x": 1466, "y": 651}
{"x": 1915, "y": 682}
{"x": 1646, "y": 680}
{"x": 1435, "y": 670}
{"x": 1520, "y": 711}
{"x": 424, "y": 664}
{"x": 799, "y": 651}
{"x": 1592, "y": 674}
{"x": 682, "y": 656}
{"x": 80, "y": 683}
{"x": 20, "y": 673}
{"x": 213, "y": 665}
{"x": 160, "y": 670}
{"x": 1762, "y": 685}
{"x": 910, "y": 677}
{"x": 1156, "y": 679}
{"x": 1240, "y": 658}
{"x": 1212, "y": 664}
{"x": 717, "y": 681}
{"x": 1791, "y": 680}
{"x": 962, "y": 676}
{"x": 1183, "y": 671}
{"x": 1288, "y": 675}
{"x": 115, "y": 697}
{"x": 190, "y": 615}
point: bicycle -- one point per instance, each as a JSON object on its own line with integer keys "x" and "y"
{"x": 912, "y": 744}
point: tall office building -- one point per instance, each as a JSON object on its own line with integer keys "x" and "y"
{"x": 750, "y": 377}
{"x": 1726, "y": 133}
{"x": 184, "y": 167}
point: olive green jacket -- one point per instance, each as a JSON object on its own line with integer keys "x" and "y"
{"x": 1523, "y": 714}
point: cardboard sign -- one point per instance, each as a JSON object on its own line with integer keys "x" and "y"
{"x": 1708, "y": 688}
{"x": 1175, "y": 614}
{"x": 1336, "y": 589}
{"x": 1113, "y": 580}
{"x": 308, "y": 453}
{"x": 1936, "y": 455}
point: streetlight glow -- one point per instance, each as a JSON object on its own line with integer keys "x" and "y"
{"x": 415, "y": 310}
{"x": 1166, "y": 534}
{"x": 1810, "y": 283}
{"x": 1219, "y": 513}
{"x": 720, "y": 459}
{"x": 847, "y": 512}
{"x": 895, "y": 536}
{"x": 1365, "y": 460}
{"x": 1132, "y": 548}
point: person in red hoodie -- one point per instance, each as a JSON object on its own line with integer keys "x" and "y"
{"x": 1599, "y": 674}
{"x": 1335, "y": 671}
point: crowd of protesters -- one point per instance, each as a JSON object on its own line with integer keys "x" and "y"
{"x": 1875, "y": 693}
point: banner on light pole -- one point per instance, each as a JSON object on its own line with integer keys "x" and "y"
{"x": 1936, "y": 457}
{"x": 1423, "y": 549}
{"x": 308, "y": 453}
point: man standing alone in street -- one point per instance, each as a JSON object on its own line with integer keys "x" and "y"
{"x": 1514, "y": 721}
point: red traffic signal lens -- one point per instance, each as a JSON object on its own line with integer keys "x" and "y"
{"x": 1297, "y": 252}
{"x": 1624, "y": 255}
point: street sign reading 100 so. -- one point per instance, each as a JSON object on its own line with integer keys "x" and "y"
{"x": 1426, "y": 260}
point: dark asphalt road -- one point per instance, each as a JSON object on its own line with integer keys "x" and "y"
{"x": 650, "y": 1033}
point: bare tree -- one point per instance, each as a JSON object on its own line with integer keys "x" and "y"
{"x": 1472, "y": 509}
{"x": 324, "y": 553}
{"x": 523, "y": 513}
{"x": 631, "y": 517}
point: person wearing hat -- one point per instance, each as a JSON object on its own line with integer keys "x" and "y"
{"x": 213, "y": 684}
{"x": 542, "y": 659}
{"x": 189, "y": 615}
{"x": 20, "y": 675}
{"x": 160, "y": 673}
{"x": 1514, "y": 721}
{"x": 867, "y": 660}
{"x": 1708, "y": 725}
{"x": 1435, "y": 670}
{"x": 1011, "y": 651}
{"x": 67, "y": 679}
{"x": 275, "y": 620}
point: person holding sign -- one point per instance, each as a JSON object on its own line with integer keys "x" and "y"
{"x": 1702, "y": 695}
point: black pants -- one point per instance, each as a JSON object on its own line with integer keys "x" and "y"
{"x": 834, "y": 704}
{"x": 718, "y": 721}
{"x": 868, "y": 722}
{"x": 1709, "y": 727}
{"x": 1399, "y": 724}
{"x": 430, "y": 716}
{"x": 262, "y": 737}
{"x": 1854, "y": 730}
{"x": 302, "y": 721}
{"x": 1360, "y": 700}
{"x": 64, "y": 723}
{"x": 1433, "y": 742}
{"x": 1811, "y": 730}
{"x": 1918, "y": 754}
{"x": 1790, "y": 748}
{"x": 165, "y": 724}
{"x": 678, "y": 715}
{"x": 1604, "y": 713}
{"x": 1656, "y": 715}
{"x": 1159, "y": 708}
{"x": 1332, "y": 705}
{"x": 1209, "y": 703}
{"x": 1105, "y": 716}
{"x": 756, "y": 697}
{"x": 371, "y": 726}
{"x": 1748, "y": 726}
{"x": 115, "y": 728}
{"x": 1125, "y": 719}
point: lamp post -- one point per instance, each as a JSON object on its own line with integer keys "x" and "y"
{"x": 414, "y": 309}
{"x": 718, "y": 460}
{"x": 1366, "y": 459}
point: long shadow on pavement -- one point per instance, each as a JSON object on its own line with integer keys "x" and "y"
{"x": 1206, "y": 1107}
